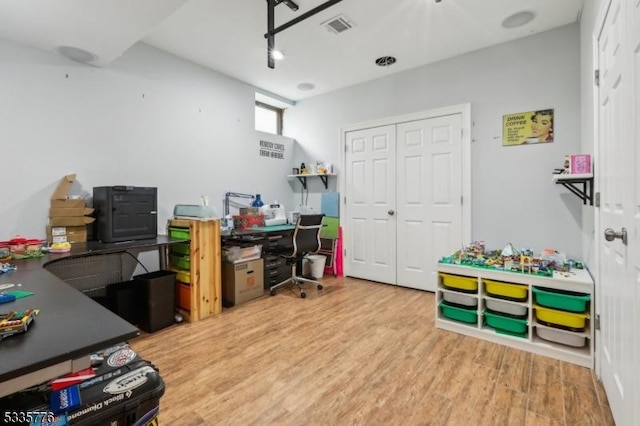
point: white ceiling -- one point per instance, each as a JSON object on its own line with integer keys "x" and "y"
{"x": 228, "y": 36}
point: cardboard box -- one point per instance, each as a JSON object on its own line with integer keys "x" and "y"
{"x": 242, "y": 282}
{"x": 71, "y": 221}
{"x": 63, "y": 234}
{"x": 61, "y": 197}
{"x": 70, "y": 211}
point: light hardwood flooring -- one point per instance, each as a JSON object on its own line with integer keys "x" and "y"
{"x": 357, "y": 353}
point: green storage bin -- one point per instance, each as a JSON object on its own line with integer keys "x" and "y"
{"x": 505, "y": 324}
{"x": 180, "y": 249}
{"x": 182, "y": 262}
{"x": 330, "y": 227}
{"x": 561, "y": 299}
{"x": 469, "y": 316}
{"x": 180, "y": 233}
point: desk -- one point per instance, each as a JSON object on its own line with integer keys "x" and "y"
{"x": 70, "y": 325}
{"x": 273, "y": 239}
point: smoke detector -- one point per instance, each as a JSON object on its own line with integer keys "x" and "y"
{"x": 338, "y": 25}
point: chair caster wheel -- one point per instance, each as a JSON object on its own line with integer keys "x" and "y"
{"x": 272, "y": 292}
{"x": 320, "y": 287}
{"x": 303, "y": 295}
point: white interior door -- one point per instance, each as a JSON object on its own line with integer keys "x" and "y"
{"x": 429, "y": 214}
{"x": 370, "y": 238}
{"x": 619, "y": 182}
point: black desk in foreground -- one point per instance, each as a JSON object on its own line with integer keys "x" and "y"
{"x": 68, "y": 329}
{"x": 70, "y": 326}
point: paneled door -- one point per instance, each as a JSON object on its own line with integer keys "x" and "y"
{"x": 619, "y": 219}
{"x": 403, "y": 199}
{"x": 429, "y": 181}
{"x": 371, "y": 203}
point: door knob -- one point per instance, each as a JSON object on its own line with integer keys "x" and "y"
{"x": 610, "y": 235}
{"x": 391, "y": 212}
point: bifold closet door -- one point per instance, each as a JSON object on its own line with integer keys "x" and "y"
{"x": 429, "y": 195}
{"x": 371, "y": 204}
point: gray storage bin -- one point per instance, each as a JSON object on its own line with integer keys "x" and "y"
{"x": 460, "y": 299}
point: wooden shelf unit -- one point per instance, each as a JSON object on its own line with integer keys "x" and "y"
{"x": 578, "y": 280}
{"x": 205, "y": 274}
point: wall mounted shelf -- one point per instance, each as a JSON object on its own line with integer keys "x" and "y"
{"x": 580, "y": 184}
{"x": 324, "y": 177}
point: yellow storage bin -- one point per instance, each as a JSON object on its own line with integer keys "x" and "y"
{"x": 506, "y": 290}
{"x": 564, "y": 319}
{"x": 184, "y": 276}
{"x": 460, "y": 282}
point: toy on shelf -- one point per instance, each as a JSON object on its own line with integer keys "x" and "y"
{"x": 513, "y": 260}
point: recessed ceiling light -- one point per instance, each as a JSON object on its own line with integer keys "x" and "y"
{"x": 518, "y": 19}
{"x": 277, "y": 55}
{"x": 76, "y": 54}
{"x": 306, "y": 86}
{"x": 385, "y": 61}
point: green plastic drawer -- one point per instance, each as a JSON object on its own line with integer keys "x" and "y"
{"x": 459, "y": 314}
{"x": 180, "y": 249}
{"x": 181, "y": 233}
{"x": 561, "y": 299}
{"x": 181, "y": 262}
{"x": 506, "y": 324}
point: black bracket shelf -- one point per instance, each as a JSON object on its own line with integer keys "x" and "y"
{"x": 303, "y": 179}
{"x": 580, "y": 185}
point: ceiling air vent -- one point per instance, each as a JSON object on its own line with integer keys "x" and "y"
{"x": 338, "y": 24}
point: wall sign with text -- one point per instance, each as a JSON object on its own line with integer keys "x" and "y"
{"x": 272, "y": 150}
{"x": 529, "y": 127}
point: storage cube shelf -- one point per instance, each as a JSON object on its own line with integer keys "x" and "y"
{"x": 197, "y": 267}
{"x": 507, "y": 308}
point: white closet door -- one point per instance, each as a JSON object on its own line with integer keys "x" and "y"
{"x": 371, "y": 200}
{"x": 619, "y": 156}
{"x": 429, "y": 223}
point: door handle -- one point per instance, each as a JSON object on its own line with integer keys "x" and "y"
{"x": 391, "y": 212}
{"x": 610, "y": 235}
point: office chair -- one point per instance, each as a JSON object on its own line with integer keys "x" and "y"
{"x": 306, "y": 240}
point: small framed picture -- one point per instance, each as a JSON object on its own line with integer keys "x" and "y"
{"x": 295, "y": 171}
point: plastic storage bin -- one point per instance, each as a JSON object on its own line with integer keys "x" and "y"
{"x": 573, "y": 321}
{"x": 180, "y": 249}
{"x": 513, "y": 326}
{"x": 561, "y": 299}
{"x": 460, "y": 299}
{"x": 500, "y": 306}
{"x": 459, "y": 314}
{"x": 179, "y": 233}
{"x": 460, "y": 282}
{"x": 563, "y": 337}
{"x": 506, "y": 290}
{"x": 182, "y": 262}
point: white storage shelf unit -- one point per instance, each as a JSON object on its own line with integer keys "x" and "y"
{"x": 577, "y": 346}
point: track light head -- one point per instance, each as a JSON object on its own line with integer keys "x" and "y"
{"x": 290, "y": 4}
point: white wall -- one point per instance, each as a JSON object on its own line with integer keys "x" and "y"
{"x": 150, "y": 119}
{"x": 513, "y": 197}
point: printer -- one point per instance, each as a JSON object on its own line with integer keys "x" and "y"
{"x": 274, "y": 214}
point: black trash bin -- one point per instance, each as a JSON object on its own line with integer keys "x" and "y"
{"x": 157, "y": 307}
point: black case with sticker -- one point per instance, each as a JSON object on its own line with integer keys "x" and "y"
{"x": 126, "y": 391}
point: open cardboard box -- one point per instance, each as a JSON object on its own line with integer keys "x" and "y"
{"x": 61, "y": 197}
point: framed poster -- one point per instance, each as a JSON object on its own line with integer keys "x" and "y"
{"x": 529, "y": 127}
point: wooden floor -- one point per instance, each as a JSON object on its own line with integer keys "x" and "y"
{"x": 358, "y": 353}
